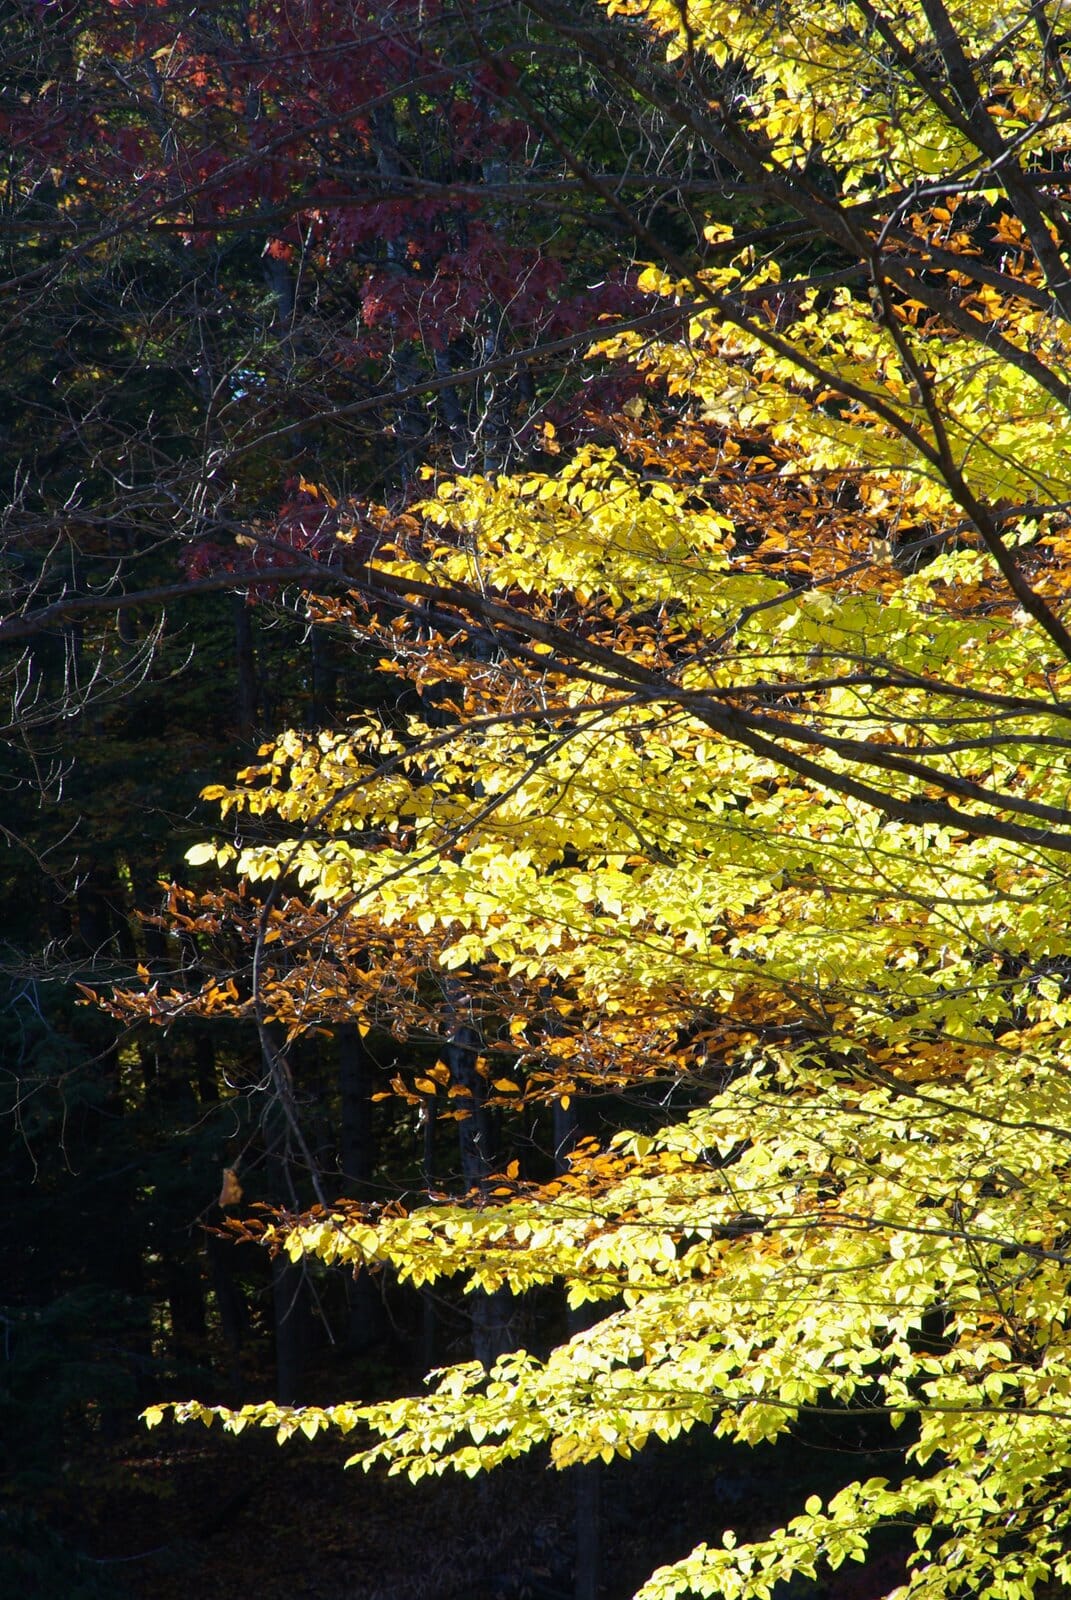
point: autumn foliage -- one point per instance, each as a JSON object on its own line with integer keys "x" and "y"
{"x": 733, "y": 757}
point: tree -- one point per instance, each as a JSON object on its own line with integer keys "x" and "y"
{"x": 257, "y": 264}
{"x": 757, "y": 770}
{"x": 261, "y": 239}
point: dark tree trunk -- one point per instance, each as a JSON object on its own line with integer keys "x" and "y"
{"x": 456, "y": 421}
{"x": 246, "y": 670}
{"x": 324, "y": 685}
{"x": 428, "y": 1326}
{"x": 204, "y": 1066}
{"x": 230, "y": 1304}
{"x": 586, "y": 1478}
{"x": 356, "y": 1073}
{"x": 290, "y": 1302}
{"x": 475, "y": 1132}
{"x": 289, "y": 1281}
{"x": 586, "y": 1570}
{"x": 405, "y": 368}
{"x": 186, "y": 1304}
{"x": 96, "y": 925}
{"x": 492, "y": 1331}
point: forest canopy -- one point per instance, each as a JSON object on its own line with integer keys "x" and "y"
{"x": 723, "y": 769}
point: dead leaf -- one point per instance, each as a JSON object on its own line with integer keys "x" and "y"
{"x": 231, "y": 1190}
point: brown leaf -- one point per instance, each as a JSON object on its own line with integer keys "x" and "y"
{"x": 231, "y": 1190}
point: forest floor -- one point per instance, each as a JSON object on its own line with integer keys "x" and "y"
{"x": 200, "y": 1513}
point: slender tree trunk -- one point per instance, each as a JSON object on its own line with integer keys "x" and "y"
{"x": 454, "y": 413}
{"x": 492, "y": 1333}
{"x": 427, "y": 1298}
{"x": 588, "y": 1486}
{"x": 186, "y": 1305}
{"x": 204, "y": 1066}
{"x": 405, "y": 369}
{"x": 324, "y": 680}
{"x": 96, "y": 924}
{"x": 230, "y": 1304}
{"x": 358, "y": 1151}
{"x": 495, "y": 430}
{"x": 358, "y": 1140}
{"x": 289, "y": 1284}
{"x": 246, "y": 670}
{"x": 586, "y": 1478}
{"x": 290, "y": 1302}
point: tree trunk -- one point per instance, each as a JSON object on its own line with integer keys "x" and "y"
{"x": 289, "y": 1281}
{"x": 492, "y": 1333}
{"x": 427, "y": 1297}
{"x": 324, "y": 686}
{"x": 586, "y": 1478}
{"x": 246, "y": 670}
{"x": 588, "y": 1487}
{"x": 230, "y": 1304}
{"x": 358, "y": 1152}
{"x": 186, "y": 1306}
{"x": 204, "y": 1066}
{"x": 405, "y": 368}
{"x": 290, "y": 1301}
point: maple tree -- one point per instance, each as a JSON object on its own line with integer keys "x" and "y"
{"x": 750, "y": 762}
{"x": 273, "y": 244}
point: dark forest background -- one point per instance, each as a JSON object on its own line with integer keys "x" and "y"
{"x": 265, "y": 268}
